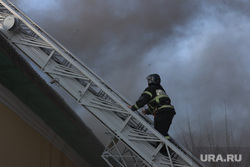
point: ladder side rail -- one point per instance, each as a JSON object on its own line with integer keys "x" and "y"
{"x": 124, "y": 106}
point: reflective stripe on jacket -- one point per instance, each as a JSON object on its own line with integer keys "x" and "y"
{"x": 155, "y": 97}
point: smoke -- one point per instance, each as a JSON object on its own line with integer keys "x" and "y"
{"x": 200, "y": 49}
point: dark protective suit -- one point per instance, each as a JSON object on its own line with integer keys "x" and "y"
{"x": 159, "y": 105}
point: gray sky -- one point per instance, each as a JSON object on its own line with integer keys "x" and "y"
{"x": 200, "y": 49}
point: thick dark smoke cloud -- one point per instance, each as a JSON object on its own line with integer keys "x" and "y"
{"x": 200, "y": 49}
{"x": 113, "y": 37}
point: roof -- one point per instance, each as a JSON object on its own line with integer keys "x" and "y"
{"x": 23, "y": 81}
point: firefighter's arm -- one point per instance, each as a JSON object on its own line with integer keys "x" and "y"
{"x": 144, "y": 99}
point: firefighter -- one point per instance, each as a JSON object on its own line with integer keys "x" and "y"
{"x": 159, "y": 105}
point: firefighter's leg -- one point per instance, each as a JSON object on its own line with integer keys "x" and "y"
{"x": 162, "y": 124}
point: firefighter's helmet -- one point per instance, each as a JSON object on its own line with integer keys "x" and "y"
{"x": 154, "y": 79}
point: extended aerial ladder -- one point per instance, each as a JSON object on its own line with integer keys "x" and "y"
{"x": 132, "y": 136}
